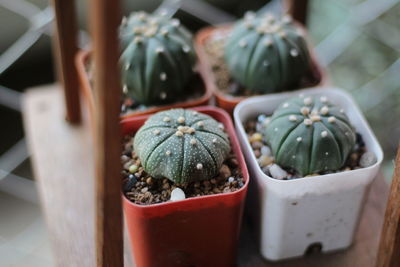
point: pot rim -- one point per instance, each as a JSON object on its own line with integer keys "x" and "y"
{"x": 234, "y": 143}
{"x": 205, "y": 33}
{"x": 83, "y": 56}
{"x": 313, "y": 91}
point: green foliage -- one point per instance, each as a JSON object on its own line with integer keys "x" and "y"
{"x": 181, "y": 145}
{"x": 310, "y": 135}
{"x": 266, "y": 54}
{"x": 157, "y": 58}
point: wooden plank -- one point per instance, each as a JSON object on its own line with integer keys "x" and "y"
{"x": 65, "y": 48}
{"x": 389, "y": 247}
{"x": 297, "y": 9}
{"x": 62, "y": 155}
{"x": 104, "y": 21}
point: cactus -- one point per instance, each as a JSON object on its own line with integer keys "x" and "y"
{"x": 266, "y": 54}
{"x": 181, "y": 145}
{"x": 157, "y": 58}
{"x": 310, "y": 135}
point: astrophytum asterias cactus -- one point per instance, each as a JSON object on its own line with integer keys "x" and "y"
{"x": 181, "y": 145}
{"x": 157, "y": 58}
{"x": 266, "y": 54}
{"x": 310, "y": 135}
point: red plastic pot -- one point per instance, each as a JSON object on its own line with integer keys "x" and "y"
{"x": 226, "y": 101}
{"x": 81, "y": 63}
{"x": 199, "y": 231}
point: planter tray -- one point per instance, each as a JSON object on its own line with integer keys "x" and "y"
{"x": 60, "y": 156}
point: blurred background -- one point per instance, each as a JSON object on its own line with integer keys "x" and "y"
{"x": 358, "y": 41}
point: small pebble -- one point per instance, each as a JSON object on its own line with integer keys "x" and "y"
{"x": 265, "y": 160}
{"x": 149, "y": 181}
{"x": 177, "y": 194}
{"x": 256, "y": 145}
{"x": 124, "y": 158}
{"x": 257, "y": 153}
{"x": 368, "y": 159}
{"x": 225, "y": 171}
{"x": 261, "y": 118}
{"x": 277, "y": 172}
{"x": 133, "y": 168}
{"x": 266, "y": 151}
{"x": 231, "y": 179}
{"x": 255, "y": 137}
{"x": 144, "y": 189}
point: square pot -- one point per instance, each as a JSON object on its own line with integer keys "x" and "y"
{"x": 199, "y": 231}
{"x": 293, "y": 215}
{"x": 226, "y": 101}
{"x": 82, "y": 60}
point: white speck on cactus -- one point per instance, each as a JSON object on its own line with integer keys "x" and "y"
{"x": 178, "y": 133}
{"x": 315, "y": 118}
{"x": 249, "y": 15}
{"x": 193, "y": 141}
{"x": 168, "y": 152}
{"x": 163, "y": 13}
{"x": 163, "y": 76}
{"x": 282, "y": 35}
{"x": 347, "y": 133}
{"x": 186, "y": 49}
{"x": 308, "y": 122}
{"x": 331, "y": 119}
{"x": 292, "y": 118}
{"x": 156, "y": 132}
{"x": 294, "y": 52}
{"x": 265, "y": 63}
{"x": 195, "y": 113}
{"x": 125, "y": 89}
{"x": 167, "y": 119}
{"x": 341, "y": 110}
{"x": 163, "y": 95}
{"x": 200, "y": 124}
{"x": 294, "y": 156}
{"x": 191, "y": 130}
{"x": 160, "y": 50}
{"x": 221, "y": 126}
{"x": 299, "y": 139}
{"x": 326, "y": 153}
{"x": 301, "y": 95}
{"x": 305, "y": 111}
{"x": 214, "y": 140}
{"x": 127, "y": 66}
{"x": 268, "y": 42}
{"x": 285, "y": 105}
{"x": 199, "y": 166}
{"x": 324, "y": 134}
{"x": 124, "y": 20}
{"x": 137, "y": 40}
{"x": 323, "y": 99}
{"x": 308, "y": 101}
{"x": 324, "y": 110}
{"x": 276, "y": 129}
{"x": 164, "y": 32}
{"x": 181, "y": 119}
{"x": 242, "y": 43}
{"x": 175, "y": 22}
{"x": 287, "y": 19}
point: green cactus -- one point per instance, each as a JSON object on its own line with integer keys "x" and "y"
{"x": 157, "y": 58}
{"x": 181, "y": 145}
{"x": 266, "y": 54}
{"x": 310, "y": 135}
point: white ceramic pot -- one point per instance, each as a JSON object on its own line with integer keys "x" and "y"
{"x": 292, "y": 215}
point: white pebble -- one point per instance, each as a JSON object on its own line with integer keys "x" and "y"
{"x": 367, "y": 159}
{"x": 277, "y": 172}
{"x": 324, "y": 134}
{"x": 266, "y": 151}
{"x": 231, "y": 179}
{"x": 177, "y": 194}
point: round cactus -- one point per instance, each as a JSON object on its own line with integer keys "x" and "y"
{"x": 266, "y": 54}
{"x": 181, "y": 145}
{"x": 157, "y": 58}
{"x": 310, "y": 135}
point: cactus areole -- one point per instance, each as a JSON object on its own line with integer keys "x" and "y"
{"x": 181, "y": 145}
{"x": 310, "y": 135}
{"x": 266, "y": 54}
{"x": 157, "y": 58}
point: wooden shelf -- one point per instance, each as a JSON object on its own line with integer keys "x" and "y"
{"x": 63, "y": 162}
